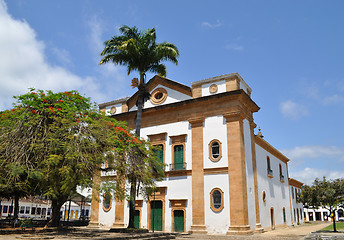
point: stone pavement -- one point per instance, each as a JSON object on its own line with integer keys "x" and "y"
{"x": 303, "y": 232}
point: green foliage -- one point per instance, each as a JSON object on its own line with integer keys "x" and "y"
{"x": 52, "y": 142}
{"x": 139, "y": 51}
{"x": 323, "y": 193}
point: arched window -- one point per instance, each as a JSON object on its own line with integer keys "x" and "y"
{"x": 216, "y": 200}
{"x": 107, "y": 200}
{"x": 284, "y": 216}
{"x": 270, "y": 172}
{"x": 215, "y": 150}
{"x": 281, "y": 173}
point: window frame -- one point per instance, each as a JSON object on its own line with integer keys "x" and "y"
{"x": 178, "y": 140}
{"x": 212, "y": 203}
{"x": 161, "y": 100}
{"x": 281, "y": 173}
{"x": 110, "y": 204}
{"x": 211, "y": 150}
{"x": 159, "y": 139}
{"x": 268, "y": 167}
{"x": 264, "y": 196}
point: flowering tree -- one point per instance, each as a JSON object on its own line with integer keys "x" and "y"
{"x": 52, "y": 142}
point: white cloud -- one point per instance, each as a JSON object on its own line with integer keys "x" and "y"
{"x": 293, "y": 110}
{"x": 62, "y": 55}
{"x": 308, "y": 175}
{"x": 306, "y": 152}
{"x": 23, "y": 64}
{"x": 334, "y": 99}
{"x": 234, "y": 46}
{"x": 212, "y": 25}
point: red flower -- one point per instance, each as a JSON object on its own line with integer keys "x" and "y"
{"x": 34, "y": 111}
{"x": 78, "y": 119}
{"x": 61, "y": 101}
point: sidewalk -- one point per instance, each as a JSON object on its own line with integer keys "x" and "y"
{"x": 302, "y": 232}
{"x": 288, "y": 233}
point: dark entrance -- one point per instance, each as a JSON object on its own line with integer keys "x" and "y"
{"x": 310, "y": 215}
{"x": 156, "y": 215}
{"x": 317, "y": 216}
{"x": 178, "y": 220}
{"x": 137, "y": 219}
{"x": 272, "y": 218}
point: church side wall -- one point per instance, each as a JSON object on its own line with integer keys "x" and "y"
{"x": 277, "y": 193}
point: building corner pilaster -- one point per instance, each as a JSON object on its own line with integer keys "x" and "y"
{"x": 238, "y": 204}
{"x": 198, "y": 213}
{"x": 94, "y": 217}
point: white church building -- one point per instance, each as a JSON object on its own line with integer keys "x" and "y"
{"x": 221, "y": 178}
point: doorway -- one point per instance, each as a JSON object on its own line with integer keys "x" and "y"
{"x": 137, "y": 219}
{"x": 178, "y": 220}
{"x": 156, "y": 215}
{"x": 272, "y": 218}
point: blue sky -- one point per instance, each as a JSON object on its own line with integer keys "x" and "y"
{"x": 291, "y": 53}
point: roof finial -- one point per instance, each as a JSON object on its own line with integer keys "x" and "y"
{"x": 260, "y": 133}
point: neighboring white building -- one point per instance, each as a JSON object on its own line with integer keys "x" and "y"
{"x": 297, "y": 208}
{"x": 76, "y": 210}
{"x": 38, "y": 208}
{"x": 221, "y": 178}
{"x": 31, "y": 207}
{"x": 322, "y": 214}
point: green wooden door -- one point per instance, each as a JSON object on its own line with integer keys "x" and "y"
{"x": 156, "y": 215}
{"x": 178, "y": 220}
{"x": 137, "y": 219}
{"x": 178, "y": 157}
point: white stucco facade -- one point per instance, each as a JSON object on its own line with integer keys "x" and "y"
{"x": 225, "y": 167}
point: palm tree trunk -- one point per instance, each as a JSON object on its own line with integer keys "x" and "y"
{"x": 140, "y": 103}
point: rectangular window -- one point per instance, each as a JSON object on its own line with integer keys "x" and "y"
{"x": 159, "y": 151}
{"x": 22, "y": 210}
{"x": 38, "y": 211}
{"x": 292, "y": 192}
{"x": 33, "y": 210}
{"x": 44, "y": 211}
{"x": 10, "y": 209}
{"x": 87, "y": 212}
{"x": 27, "y": 210}
{"x": 49, "y": 211}
{"x": 178, "y": 157}
{"x": 5, "y": 209}
{"x": 284, "y": 216}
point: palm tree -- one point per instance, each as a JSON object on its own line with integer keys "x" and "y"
{"x": 138, "y": 51}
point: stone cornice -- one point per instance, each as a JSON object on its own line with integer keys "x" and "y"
{"x": 294, "y": 182}
{"x": 186, "y": 110}
{"x": 264, "y": 144}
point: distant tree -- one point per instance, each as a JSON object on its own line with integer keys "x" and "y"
{"x": 139, "y": 51}
{"x": 53, "y": 142}
{"x": 328, "y": 194}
